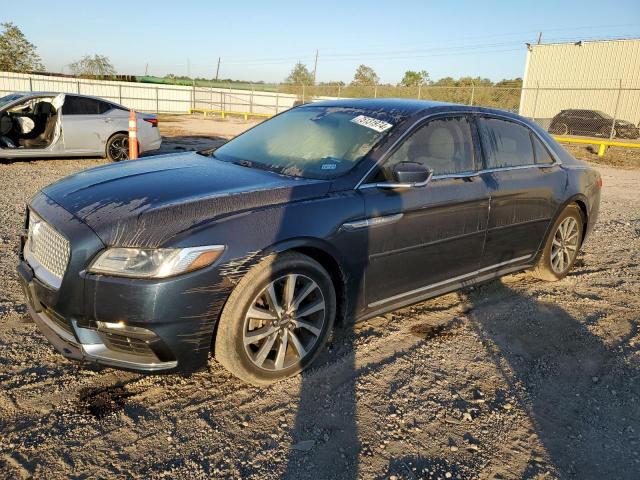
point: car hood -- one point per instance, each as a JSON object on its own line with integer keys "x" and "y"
{"x": 144, "y": 203}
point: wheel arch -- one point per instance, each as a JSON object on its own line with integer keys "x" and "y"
{"x": 106, "y": 144}
{"x": 580, "y": 200}
{"x": 327, "y": 256}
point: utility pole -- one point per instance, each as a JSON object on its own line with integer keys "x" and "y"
{"x": 539, "y": 38}
{"x": 218, "y": 69}
{"x": 188, "y": 68}
{"x": 315, "y": 68}
{"x": 146, "y": 70}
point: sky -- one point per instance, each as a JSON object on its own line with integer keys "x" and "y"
{"x": 262, "y": 40}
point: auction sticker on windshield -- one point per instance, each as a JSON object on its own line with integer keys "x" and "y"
{"x": 372, "y": 123}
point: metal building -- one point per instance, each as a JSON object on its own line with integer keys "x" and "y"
{"x": 596, "y": 75}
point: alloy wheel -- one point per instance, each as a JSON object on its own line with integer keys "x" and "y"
{"x": 565, "y": 245}
{"x": 119, "y": 149}
{"x": 284, "y": 322}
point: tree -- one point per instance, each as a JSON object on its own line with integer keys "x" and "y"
{"x": 17, "y": 54}
{"x": 365, "y": 76}
{"x": 97, "y": 66}
{"x": 300, "y": 75}
{"x": 414, "y": 79}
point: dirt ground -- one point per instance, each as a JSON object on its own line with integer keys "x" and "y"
{"x": 516, "y": 378}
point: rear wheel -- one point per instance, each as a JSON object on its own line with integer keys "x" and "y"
{"x": 561, "y": 248}
{"x": 560, "y": 129}
{"x": 277, "y": 319}
{"x": 118, "y": 147}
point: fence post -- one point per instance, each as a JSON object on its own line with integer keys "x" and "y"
{"x": 157, "y": 102}
{"x": 303, "y": 93}
{"x": 120, "y": 94}
{"x": 339, "y": 89}
{"x": 535, "y": 101}
{"x": 251, "y": 100}
{"x": 193, "y": 95}
{"x": 419, "y": 91}
{"x": 30, "y": 84}
{"x": 473, "y": 92}
{"x": 277, "y": 102}
{"x": 615, "y": 114}
{"x": 375, "y": 91}
{"x": 78, "y": 88}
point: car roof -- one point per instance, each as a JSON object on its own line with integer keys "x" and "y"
{"x": 53, "y": 94}
{"x": 407, "y": 107}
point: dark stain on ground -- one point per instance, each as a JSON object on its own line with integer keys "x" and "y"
{"x": 102, "y": 401}
{"x": 428, "y": 331}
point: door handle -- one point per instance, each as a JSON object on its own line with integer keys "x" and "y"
{"x": 108, "y": 120}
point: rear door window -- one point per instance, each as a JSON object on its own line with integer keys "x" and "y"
{"x": 505, "y": 143}
{"x": 542, "y": 154}
{"x": 82, "y": 106}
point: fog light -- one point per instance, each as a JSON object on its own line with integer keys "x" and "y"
{"x": 121, "y": 328}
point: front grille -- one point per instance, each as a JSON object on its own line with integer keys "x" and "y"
{"x": 122, "y": 343}
{"x": 48, "y": 249}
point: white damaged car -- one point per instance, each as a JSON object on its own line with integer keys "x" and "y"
{"x": 45, "y": 124}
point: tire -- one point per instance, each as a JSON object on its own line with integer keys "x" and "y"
{"x": 117, "y": 148}
{"x": 560, "y": 129}
{"x": 556, "y": 261}
{"x": 606, "y": 132}
{"x": 237, "y": 328}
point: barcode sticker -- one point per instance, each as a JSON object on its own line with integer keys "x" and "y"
{"x": 372, "y": 123}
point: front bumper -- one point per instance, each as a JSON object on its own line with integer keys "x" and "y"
{"x": 135, "y": 324}
{"x": 81, "y": 343}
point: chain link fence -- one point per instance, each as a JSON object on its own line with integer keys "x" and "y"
{"x": 612, "y": 113}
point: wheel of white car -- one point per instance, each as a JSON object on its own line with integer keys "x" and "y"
{"x": 118, "y": 147}
{"x": 277, "y": 319}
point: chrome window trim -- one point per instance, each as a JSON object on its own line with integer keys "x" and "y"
{"x": 449, "y": 280}
{"x": 463, "y": 175}
{"x": 392, "y": 185}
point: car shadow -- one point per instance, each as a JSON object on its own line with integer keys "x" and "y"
{"x": 582, "y": 394}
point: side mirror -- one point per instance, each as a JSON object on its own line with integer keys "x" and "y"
{"x": 413, "y": 173}
{"x": 405, "y": 175}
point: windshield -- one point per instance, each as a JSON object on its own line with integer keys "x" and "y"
{"x": 310, "y": 142}
{"x": 9, "y": 98}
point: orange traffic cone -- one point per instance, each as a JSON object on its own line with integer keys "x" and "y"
{"x": 133, "y": 135}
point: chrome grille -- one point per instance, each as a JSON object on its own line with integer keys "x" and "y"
{"x": 46, "y": 251}
{"x": 122, "y": 343}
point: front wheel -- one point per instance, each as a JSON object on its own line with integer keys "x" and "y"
{"x": 277, "y": 319}
{"x": 118, "y": 147}
{"x": 561, "y": 248}
{"x": 606, "y": 132}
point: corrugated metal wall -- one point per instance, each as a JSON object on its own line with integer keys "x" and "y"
{"x": 602, "y": 75}
{"x": 148, "y": 97}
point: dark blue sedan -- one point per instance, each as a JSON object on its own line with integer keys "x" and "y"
{"x": 336, "y": 210}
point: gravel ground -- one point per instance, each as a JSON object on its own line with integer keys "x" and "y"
{"x": 516, "y": 378}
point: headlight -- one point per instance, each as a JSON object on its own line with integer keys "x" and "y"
{"x": 154, "y": 262}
